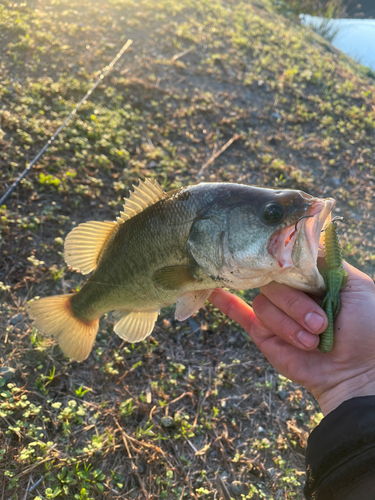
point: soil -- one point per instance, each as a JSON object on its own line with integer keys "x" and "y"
{"x": 195, "y": 405}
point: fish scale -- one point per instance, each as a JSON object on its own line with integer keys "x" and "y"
{"x": 176, "y": 247}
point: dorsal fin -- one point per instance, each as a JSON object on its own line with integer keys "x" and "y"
{"x": 85, "y": 243}
{"x": 144, "y": 195}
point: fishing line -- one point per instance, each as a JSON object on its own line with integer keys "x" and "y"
{"x": 102, "y": 75}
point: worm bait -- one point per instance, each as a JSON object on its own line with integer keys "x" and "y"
{"x": 335, "y": 278}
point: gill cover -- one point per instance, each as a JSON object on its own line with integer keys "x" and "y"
{"x": 205, "y": 243}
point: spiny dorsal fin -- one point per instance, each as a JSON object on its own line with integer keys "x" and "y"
{"x": 85, "y": 243}
{"x": 144, "y": 195}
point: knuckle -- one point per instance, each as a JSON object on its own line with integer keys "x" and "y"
{"x": 294, "y": 305}
{"x": 285, "y": 327}
{"x": 369, "y": 282}
{"x": 260, "y": 303}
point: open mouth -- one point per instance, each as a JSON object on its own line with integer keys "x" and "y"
{"x": 313, "y": 226}
{"x": 286, "y": 245}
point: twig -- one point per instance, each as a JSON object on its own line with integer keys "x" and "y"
{"x": 6, "y": 468}
{"x": 35, "y": 485}
{"x": 127, "y": 446}
{"x": 177, "y": 399}
{"x": 142, "y": 443}
{"x": 141, "y": 483}
{"x": 182, "y": 492}
{"x": 134, "y": 467}
{"x": 190, "y": 486}
{"x": 218, "y": 153}
{"x": 222, "y": 488}
{"x": 200, "y": 404}
{"x": 181, "y": 54}
{"x": 27, "y": 489}
{"x": 192, "y": 446}
{"x": 32, "y": 467}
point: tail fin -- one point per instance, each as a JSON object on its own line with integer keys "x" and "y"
{"x": 54, "y": 316}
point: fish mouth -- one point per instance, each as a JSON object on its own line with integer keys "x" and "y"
{"x": 313, "y": 227}
{"x": 286, "y": 245}
{"x": 281, "y": 246}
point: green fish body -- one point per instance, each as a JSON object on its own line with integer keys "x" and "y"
{"x": 177, "y": 247}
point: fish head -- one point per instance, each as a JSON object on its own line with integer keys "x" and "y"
{"x": 296, "y": 249}
{"x": 276, "y": 237}
{"x": 249, "y": 236}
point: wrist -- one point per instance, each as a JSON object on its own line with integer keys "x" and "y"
{"x": 359, "y": 385}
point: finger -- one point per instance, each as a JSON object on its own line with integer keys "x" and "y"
{"x": 238, "y": 310}
{"x": 357, "y": 277}
{"x": 283, "y": 325}
{"x": 299, "y": 306}
{"x": 286, "y": 358}
{"x": 292, "y": 362}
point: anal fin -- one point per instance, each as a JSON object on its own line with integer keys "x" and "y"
{"x": 134, "y": 326}
{"x": 188, "y": 303}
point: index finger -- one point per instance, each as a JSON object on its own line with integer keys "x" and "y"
{"x": 297, "y": 305}
{"x": 236, "y": 309}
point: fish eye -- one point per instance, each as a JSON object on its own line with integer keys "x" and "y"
{"x": 273, "y": 213}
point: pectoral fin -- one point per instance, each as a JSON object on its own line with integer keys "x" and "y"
{"x": 189, "y": 302}
{"x": 176, "y": 277}
{"x": 135, "y": 326}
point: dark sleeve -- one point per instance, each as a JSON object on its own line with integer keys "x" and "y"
{"x": 340, "y": 456}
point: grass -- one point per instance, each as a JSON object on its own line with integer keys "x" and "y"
{"x": 325, "y": 24}
{"x": 161, "y": 418}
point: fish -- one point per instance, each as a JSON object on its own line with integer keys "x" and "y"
{"x": 176, "y": 247}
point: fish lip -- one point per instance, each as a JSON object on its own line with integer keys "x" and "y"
{"x": 281, "y": 244}
{"x": 313, "y": 226}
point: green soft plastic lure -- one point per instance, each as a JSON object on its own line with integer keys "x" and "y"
{"x": 335, "y": 278}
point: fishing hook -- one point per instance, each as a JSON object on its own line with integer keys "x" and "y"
{"x": 303, "y": 217}
{"x": 337, "y": 218}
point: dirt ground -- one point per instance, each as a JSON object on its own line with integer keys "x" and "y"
{"x": 209, "y": 91}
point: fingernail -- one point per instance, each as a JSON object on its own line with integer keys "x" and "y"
{"x": 314, "y": 321}
{"x": 306, "y": 339}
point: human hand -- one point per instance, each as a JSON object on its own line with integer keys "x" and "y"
{"x": 285, "y": 323}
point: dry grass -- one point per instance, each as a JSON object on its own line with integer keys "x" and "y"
{"x": 163, "y": 418}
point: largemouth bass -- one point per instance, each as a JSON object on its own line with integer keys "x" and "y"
{"x": 177, "y": 247}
